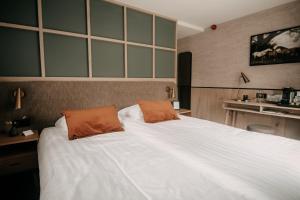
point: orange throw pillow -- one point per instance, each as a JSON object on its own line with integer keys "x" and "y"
{"x": 82, "y": 123}
{"x": 157, "y": 111}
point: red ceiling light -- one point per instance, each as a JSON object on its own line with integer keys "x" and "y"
{"x": 213, "y": 27}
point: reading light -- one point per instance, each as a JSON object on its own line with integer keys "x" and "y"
{"x": 171, "y": 93}
{"x": 19, "y": 94}
{"x": 245, "y": 78}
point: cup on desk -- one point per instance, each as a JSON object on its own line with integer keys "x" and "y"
{"x": 261, "y": 97}
{"x": 245, "y": 97}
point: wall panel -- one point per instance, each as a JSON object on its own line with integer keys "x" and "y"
{"x": 164, "y": 64}
{"x": 65, "y": 15}
{"x": 108, "y": 59}
{"x": 139, "y": 62}
{"x": 107, "y": 20}
{"x": 165, "y": 32}
{"x": 46, "y": 100}
{"x": 19, "y": 52}
{"x": 65, "y": 56}
{"x": 89, "y": 39}
{"x": 139, "y": 27}
{"x": 19, "y": 12}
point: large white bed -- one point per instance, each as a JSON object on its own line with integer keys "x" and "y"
{"x": 179, "y": 159}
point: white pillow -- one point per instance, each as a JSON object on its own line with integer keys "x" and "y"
{"x": 132, "y": 113}
{"x": 61, "y": 123}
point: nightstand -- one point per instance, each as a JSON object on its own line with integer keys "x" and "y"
{"x": 185, "y": 112}
{"x": 18, "y": 153}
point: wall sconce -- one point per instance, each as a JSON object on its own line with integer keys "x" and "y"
{"x": 171, "y": 93}
{"x": 18, "y": 94}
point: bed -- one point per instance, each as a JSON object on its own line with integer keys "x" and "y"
{"x": 178, "y": 159}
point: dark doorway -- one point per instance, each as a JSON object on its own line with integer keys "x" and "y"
{"x": 184, "y": 79}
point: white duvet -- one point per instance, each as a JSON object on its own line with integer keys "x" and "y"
{"x": 181, "y": 159}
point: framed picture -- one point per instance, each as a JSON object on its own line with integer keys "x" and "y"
{"x": 276, "y": 47}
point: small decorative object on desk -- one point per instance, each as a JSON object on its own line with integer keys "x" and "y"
{"x": 20, "y": 125}
{"x": 288, "y": 95}
{"x": 176, "y": 105}
{"x": 261, "y": 97}
{"x": 276, "y": 98}
{"x": 297, "y": 99}
{"x": 289, "y": 98}
{"x": 245, "y": 97}
{"x": 28, "y": 132}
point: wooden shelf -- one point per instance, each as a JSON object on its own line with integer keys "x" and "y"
{"x": 6, "y": 140}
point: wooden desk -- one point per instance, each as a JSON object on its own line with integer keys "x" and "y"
{"x": 233, "y": 106}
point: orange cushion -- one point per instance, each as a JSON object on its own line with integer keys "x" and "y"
{"x": 157, "y": 111}
{"x": 82, "y": 123}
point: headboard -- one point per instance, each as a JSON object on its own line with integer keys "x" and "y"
{"x": 45, "y": 100}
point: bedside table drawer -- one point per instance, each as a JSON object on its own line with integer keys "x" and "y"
{"x": 17, "y": 163}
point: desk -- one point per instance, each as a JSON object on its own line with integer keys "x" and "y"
{"x": 233, "y": 106}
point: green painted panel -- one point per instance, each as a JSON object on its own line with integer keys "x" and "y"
{"x": 139, "y": 62}
{"x": 19, "y": 12}
{"x": 19, "y": 52}
{"x": 139, "y": 27}
{"x": 107, "y": 20}
{"x": 108, "y": 59}
{"x": 65, "y": 56}
{"x": 65, "y": 15}
{"x": 164, "y": 64}
{"x": 165, "y": 32}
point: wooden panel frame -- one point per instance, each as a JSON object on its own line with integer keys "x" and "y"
{"x": 89, "y": 37}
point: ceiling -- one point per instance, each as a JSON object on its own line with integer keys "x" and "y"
{"x": 195, "y": 15}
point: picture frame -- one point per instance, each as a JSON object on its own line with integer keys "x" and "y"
{"x": 276, "y": 47}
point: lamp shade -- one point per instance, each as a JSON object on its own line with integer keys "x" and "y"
{"x": 245, "y": 78}
{"x": 18, "y": 94}
{"x": 173, "y": 96}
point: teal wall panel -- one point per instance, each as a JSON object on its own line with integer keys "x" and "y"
{"x": 107, "y": 20}
{"x": 108, "y": 59}
{"x": 165, "y": 32}
{"x": 164, "y": 64}
{"x": 19, "y": 52}
{"x": 19, "y": 12}
{"x": 65, "y": 15}
{"x": 139, "y": 27}
{"x": 65, "y": 56}
{"x": 139, "y": 62}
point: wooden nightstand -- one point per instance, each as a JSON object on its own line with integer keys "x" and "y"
{"x": 185, "y": 112}
{"x": 18, "y": 153}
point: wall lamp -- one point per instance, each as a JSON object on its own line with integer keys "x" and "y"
{"x": 244, "y": 78}
{"x": 171, "y": 92}
{"x": 18, "y": 94}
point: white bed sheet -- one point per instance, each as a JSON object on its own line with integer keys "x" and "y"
{"x": 182, "y": 159}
